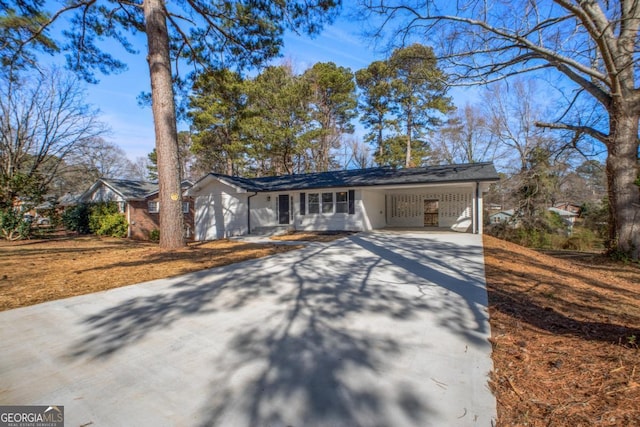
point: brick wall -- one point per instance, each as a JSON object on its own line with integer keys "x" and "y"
{"x": 142, "y": 222}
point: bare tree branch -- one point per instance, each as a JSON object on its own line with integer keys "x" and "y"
{"x": 600, "y": 136}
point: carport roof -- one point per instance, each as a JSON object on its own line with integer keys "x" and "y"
{"x": 384, "y": 176}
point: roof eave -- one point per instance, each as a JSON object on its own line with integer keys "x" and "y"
{"x": 197, "y": 186}
{"x": 382, "y": 186}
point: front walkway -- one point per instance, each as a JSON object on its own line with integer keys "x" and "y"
{"x": 378, "y": 329}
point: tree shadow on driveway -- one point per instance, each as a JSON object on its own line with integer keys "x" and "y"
{"x": 330, "y": 335}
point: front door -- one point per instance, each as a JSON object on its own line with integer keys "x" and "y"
{"x": 283, "y": 209}
{"x": 430, "y": 213}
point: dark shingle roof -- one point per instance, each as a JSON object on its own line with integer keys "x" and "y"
{"x": 130, "y": 189}
{"x": 69, "y": 199}
{"x": 470, "y": 172}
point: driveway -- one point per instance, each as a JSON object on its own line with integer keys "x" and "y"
{"x": 378, "y": 329}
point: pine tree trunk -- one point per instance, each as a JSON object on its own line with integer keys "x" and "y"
{"x": 624, "y": 194}
{"x": 164, "y": 118}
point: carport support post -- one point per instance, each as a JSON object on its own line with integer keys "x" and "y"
{"x": 477, "y": 224}
{"x": 249, "y": 212}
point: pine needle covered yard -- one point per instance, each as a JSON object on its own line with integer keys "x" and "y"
{"x": 36, "y": 271}
{"x": 565, "y": 331}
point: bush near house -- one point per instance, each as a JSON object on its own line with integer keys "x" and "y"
{"x": 106, "y": 220}
{"x": 76, "y": 218}
{"x": 595, "y": 216}
{"x": 103, "y": 219}
{"x": 154, "y": 235}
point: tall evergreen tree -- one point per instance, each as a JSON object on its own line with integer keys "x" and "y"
{"x": 376, "y": 105}
{"x": 275, "y": 121}
{"x": 332, "y": 106}
{"x": 205, "y": 33}
{"x": 217, "y": 110}
{"x": 403, "y": 98}
{"x": 418, "y": 89}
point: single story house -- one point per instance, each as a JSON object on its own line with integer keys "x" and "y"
{"x": 507, "y": 217}
{"x": 501, "y": 217}
{"x": 138, "y": 200}
{"x": 69, "y": 199}
{"x": 437, "y": 196}
{"x": 568, "y": 217}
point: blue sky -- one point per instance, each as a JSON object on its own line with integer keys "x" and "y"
{"x": 132, "y": 125}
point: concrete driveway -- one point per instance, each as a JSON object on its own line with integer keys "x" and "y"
{"x": 378, "y": 329}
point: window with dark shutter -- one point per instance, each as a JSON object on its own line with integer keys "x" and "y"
{"x": 303, "y": 203}
{"x": 352, "y": 202}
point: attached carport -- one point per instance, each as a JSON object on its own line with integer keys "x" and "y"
{"x": 457, "y": 207}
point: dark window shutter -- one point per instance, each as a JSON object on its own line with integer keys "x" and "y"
{"x": 352, "y": 202}
{"x": 303, "y": 203}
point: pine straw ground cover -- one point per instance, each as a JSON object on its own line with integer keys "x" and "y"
{"x": 565, "y": 333}
{"x": 35, "y": 271}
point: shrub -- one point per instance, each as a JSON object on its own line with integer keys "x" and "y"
{"x": 582, "y": 239}
{"x": 102, "y": 219}
{"x": 106, "y": 220}
{"x": 98, "y": 211}
{"x": 596, "y": 217}
{"x": 13, "y": 226}
{"x": 154, "y": 235}
{"x": 533, "y": 237}
{"x": 112, "y": 225}
{"x": 546, "y": 230}
{"x": 76, "y": 218}
{"x": 53, "y": 215}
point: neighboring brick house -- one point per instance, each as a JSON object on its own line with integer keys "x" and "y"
{"x": 138, "y": 200}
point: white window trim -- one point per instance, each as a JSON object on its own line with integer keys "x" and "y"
{"x": 309, "y": 203}
{"x": 156, "y": 206}
{"x": 345, "y": 203}
{"x": 334, "y": 202}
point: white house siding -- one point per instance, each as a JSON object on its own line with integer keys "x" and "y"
{"x": 220, "y": 211}
{"x": 264, "y": 212}
{"x": 332, "y": 221}
{"x": 103, "y": 194}
{"x": 373, "y": 209}
{"x": 405, "y": 208}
